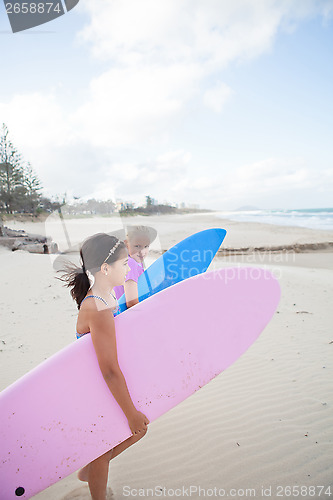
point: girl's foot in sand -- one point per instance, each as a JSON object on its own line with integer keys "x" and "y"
{"x": 83, "y": 474}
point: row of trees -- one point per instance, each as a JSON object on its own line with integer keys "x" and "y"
{"x": 108, "y": 207}
{"x": 91, "y": 207}
{"x": 20, "y": 188}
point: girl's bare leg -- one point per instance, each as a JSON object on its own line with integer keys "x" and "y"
{"x": 126, "y": 444}
{"x": 98, "y": 476}
{"x": 83, "y": 473}
{"x": 96, "y": 473}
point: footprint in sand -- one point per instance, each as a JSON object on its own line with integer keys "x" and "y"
{"x": 83, "y": 493}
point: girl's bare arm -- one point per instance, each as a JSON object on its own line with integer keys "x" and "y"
{"x": 131, "y": 293}
{"x": 103, "y": 335}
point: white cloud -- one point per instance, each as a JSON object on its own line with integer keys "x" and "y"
{"x": 156, "y": 177}
{"x": 164, "y": 56}
{"x": 129, "y": 105}
{"x": 271, "y": 176}
{"x": 38, "y": 120}
{"x": 41, "y": 131}
{"x": 213, "y": 32}
{"x": 215, "y": 97}
{"x": 272, "y": 182}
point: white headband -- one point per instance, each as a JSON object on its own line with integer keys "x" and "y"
{"x": 113, "y": 249}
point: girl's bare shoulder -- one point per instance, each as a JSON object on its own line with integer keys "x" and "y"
{"x": 95, "y": 317}
{"x": 93, "y": 303}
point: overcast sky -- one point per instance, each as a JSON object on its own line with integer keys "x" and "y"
{"x": 216, "y": 102}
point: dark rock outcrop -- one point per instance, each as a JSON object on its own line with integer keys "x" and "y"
{"x": 20, "y": 240}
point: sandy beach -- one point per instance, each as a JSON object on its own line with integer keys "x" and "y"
{"x": 259, "y": 429}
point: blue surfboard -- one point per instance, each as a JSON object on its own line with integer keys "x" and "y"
{"x": 187, "y": 258}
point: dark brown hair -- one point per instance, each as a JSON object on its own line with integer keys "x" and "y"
{"x": 94, "y": 251}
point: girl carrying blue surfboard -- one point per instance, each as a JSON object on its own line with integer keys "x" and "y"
{"x": 106, "y": 258}
{"x": 137, "y": 241}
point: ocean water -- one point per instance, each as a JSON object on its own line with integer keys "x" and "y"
{"x": 316, "y": 218}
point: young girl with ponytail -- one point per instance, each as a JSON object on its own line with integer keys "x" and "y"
{"x": 105, "y": 258}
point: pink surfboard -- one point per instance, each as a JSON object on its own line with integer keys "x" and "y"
{"x": 61, "y": 415}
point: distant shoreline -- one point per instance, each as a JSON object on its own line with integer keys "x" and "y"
{"x": 42, "y": 217}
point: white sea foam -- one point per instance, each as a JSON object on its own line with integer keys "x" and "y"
{"x": 318, "y": 218}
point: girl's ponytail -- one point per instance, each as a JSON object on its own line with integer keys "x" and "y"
{"x": 77, "y": 280}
